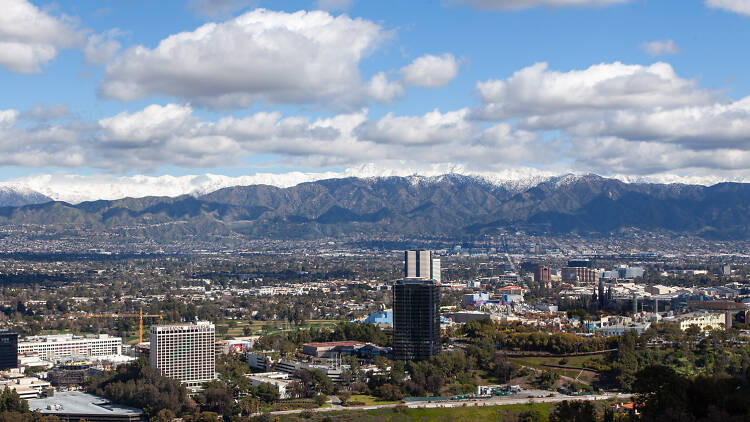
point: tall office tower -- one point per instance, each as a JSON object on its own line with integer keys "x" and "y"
{"x": 185, "y": 352}
{"x": 416, "y": 319}
{"x": 542, "y": 274}
{"x": 420, "y": 264}
{"x": 8, "y": 350}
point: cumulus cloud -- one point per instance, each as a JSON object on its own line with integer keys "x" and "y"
{"x": 38, "y": 145}
{"x": 536, "y": 90}
{"x": 431, "y": 129}
{"x": 737, "y": 6}
{"x": 100, "y": 48}
{"x": 43, "y": 113}
{"x": 609, "y": 155}
{"x": 713, "y": 126}
{"x": 381, "y": 89}
{"x": 526, "y": 4}
{"x": 274, "y": 57}
{"x": 431, "y": 71}
{"x": 30, "y": 38}
{"x": 174, "y": 135}
{"x": 660, "y": 48}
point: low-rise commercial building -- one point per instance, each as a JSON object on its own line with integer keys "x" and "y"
{"x": 279, "y": 380}
{"x": 702, "y": 320}
{"x": 74, "y": 406}
{"x": 55, "y": 347}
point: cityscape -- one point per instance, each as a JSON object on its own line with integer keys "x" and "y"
{"x": 374, "y": 211}
{"x": 313, "y": 335}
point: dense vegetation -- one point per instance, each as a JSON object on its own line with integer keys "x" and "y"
{"x": 139, "y": 385}
{"x": 519, "y": 337}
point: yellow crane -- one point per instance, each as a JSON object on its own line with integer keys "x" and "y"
{"x": 140, "y": 315}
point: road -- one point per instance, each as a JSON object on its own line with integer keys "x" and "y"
{"x": 522, "y": 398}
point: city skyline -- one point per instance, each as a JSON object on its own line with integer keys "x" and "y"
{"x": 99, "y": 94}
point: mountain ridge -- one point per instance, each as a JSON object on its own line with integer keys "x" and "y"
{"x": 450, "y": 205}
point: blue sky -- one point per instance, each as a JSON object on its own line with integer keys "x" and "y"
{"x": 626, "y": 88}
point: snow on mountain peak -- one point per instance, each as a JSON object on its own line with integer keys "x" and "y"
{"x": 79, "y": 188}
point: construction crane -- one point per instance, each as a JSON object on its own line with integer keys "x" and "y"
{"x": 140, "y": 315}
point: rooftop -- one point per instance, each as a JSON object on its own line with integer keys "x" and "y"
{"x": 335, "y": 344}
{"x": 77, "y": 402}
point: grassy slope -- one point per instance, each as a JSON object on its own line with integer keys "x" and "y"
{"x": 459, "y": 414}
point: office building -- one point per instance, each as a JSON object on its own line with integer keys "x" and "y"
{"x": 542, "y": 274}
{"x": 56, "y": 347}
{"x": 281, "y": 381}
{"x": 416, "y": 319}
{"x": 422, "y": 265}
{"x": 8, "y": 350}
{"x": 184, "y": 352}
{"x": 579, "y": 263}
{"x": 581, "y": 275}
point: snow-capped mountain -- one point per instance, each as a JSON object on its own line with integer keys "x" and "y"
{"x": 18, "y": 196}
{"x": 75, "y": 189}
{"x": 80, "y": 188}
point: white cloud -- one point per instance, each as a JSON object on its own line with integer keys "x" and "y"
{"x": 218, "y": 8}
{"x": 526, "y": 4}
{"x": 43, "y": 113}
{"x": 173, "y": 135}
{"x": 8, "y": 118}
{"x": 274, "y": 57}
{"x": 660, "y": 48}
{"x": 430, "y": 129}
{"x": 30, "y": 38}
{"x": 431, "y": 71}
{"x": 614, "y": 155}
{"x": 536, "y": 90}
{"x": 381, "y": 89}
{"x": 333, "y": 5}
{"x": 38, "y": 145}
{"x": 149, "y": 125}
{"x": 100, "y": 48}
{"x": 737, "y": 6}
{"x": 713, "y": 126}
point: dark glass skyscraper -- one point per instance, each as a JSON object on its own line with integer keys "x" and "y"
{"x": 8, "y": 350}
{"x": 416, "y": 319}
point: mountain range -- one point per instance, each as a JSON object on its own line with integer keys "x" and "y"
{"x": 447, "y": 205}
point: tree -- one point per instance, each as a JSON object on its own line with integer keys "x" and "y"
{"x": 217, "y": 398}
{"x": 320, "y": 382}
{"x": 320, "y": 399}
{"x": 574, "y": 411}
{"x": 139, "y": 385}
{"x": 390, "y": 392}
{"x": 660, "y": 391}
{"x": 164, "y": 415}
{"x": 344, "y": 396}
{"x": 10, "y": 401}
{"x": 266, "y": 392}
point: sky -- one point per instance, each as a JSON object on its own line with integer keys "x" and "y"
{"x": 100, "y": 93}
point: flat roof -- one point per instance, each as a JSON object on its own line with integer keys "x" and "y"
{"x": 335, "y": 344}
{"x": 78, "y": 402}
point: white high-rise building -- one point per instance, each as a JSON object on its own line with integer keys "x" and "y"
{"x": 185, "y": 352}
{"x": 422, "y": 265}
{"x": 59, "y": 346}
